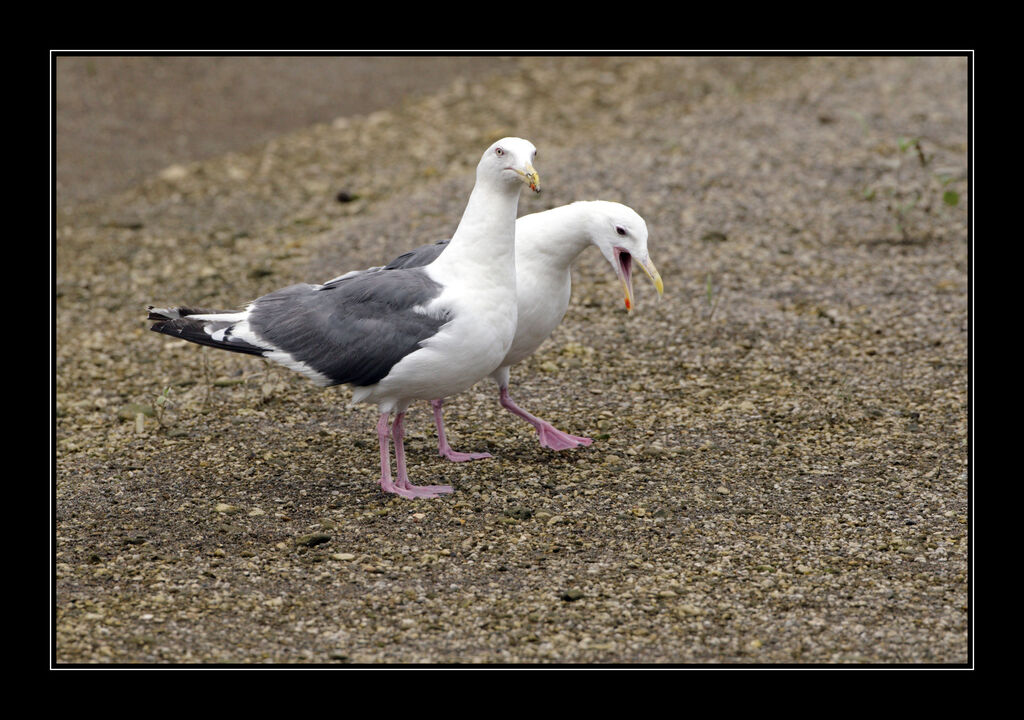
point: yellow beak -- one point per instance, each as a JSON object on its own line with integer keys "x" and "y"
{"x": 624, "y": 269}
{"x": 530, "y": 177}
{"x": 654, "y": 275}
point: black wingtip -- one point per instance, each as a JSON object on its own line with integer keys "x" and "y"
{"x": 176, "y": 323}
{"x": 176, "y": 313}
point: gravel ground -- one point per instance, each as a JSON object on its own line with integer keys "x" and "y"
{"x": 780, "y": 466}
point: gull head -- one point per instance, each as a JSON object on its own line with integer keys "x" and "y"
{"x": 511, "y": 160}
{"x": 621, "y": 235}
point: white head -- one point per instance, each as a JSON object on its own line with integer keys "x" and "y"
{"x": 511, "y": 160}
{"x": 621, "y": 235}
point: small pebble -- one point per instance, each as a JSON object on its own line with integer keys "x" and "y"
{"x": 312, "y": 539}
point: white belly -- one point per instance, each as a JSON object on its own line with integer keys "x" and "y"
{"x": 542, "y": 302}
{"x": 466, "y": 349}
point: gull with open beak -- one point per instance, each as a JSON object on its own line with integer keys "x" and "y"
{"x": 547, "y": 245}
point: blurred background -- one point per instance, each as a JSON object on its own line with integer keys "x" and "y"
{"x": 119, "y": 119}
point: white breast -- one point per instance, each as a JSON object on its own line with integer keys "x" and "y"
{"x": 468, "y": 347}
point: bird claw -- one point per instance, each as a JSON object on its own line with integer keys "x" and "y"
{"x": 554, "y": 439}
{"x": 411, "y": 492}
{"x": 428, "y": 491}
{"x": 456, "y": 456}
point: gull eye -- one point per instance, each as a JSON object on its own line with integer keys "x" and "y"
{"x": 498, "y": 151}
{"x": 620, "y": 230}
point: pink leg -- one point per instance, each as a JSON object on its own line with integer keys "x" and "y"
{"x": 550, "y": 436}
{"x": 427, "y": 491}
{"x": 385, "y": 457}
{"x": 386, "y": 484}
{"x": 445, "y": 450}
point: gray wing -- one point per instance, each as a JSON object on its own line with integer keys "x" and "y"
{"x": 351, "y": 331}
{"x": 421, "y": 256}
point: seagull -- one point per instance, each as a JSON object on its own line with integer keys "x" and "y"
{"x": 547, "y": 245}
{"x": 415, "y": 333}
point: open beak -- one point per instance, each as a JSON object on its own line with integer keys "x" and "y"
{"x": 530, "y": 177}
{"x": 624, "y": 269}
{"x": 654, "y": 275}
